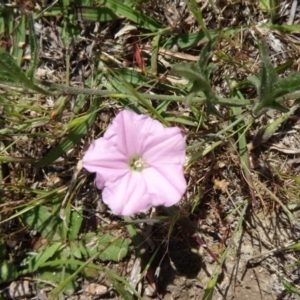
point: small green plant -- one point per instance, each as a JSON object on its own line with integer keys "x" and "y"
{"x": 271, "y": 88}
{"x": 61, "y": 246}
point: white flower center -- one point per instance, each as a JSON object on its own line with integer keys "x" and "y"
{"x": 137, "y": 164}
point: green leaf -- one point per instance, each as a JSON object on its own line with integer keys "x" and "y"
{"x": 19, "y": 39}
{"x": 180, "y": 119}
{"x": 75, "y": 250}
{"x": 6, "y": 20}
{"x": 3, "y": 249}
{"x": 255, "y": 81}
{"x": 287, "y": 85}
{"x": 112, "y": 249}
{"x": 137, "y": 79}
{"x": 133, "y": 77}
{"x": 267, "y": 86}
{"x": 34, "y": 47}
{"x": 80, "y": 266}
{"x": 75, "y": 224}
{"x": 200, "y": 83}
{"x": 205, "y": 55}
{"x": 74, "y": 136}
{"x": 268, "y": 131}
{"x": 132, "y": 14}
{"x": 209, "y": 291}
{"x": 85, "y": 13}
{"x": 40, "y": 219}
{"x": 88, "y": 244}
{"x": 188, "y": 40}
{"x": 283, "y": 28}
{"x": 124, "y": 85}
{"x": 194, "y": 74}
{"x": 55, "y": 277}
{"x": 90, "y": 273}
{"x": 8, "y": 271}
{"x": 193, "y": 7}
{"x": 96, "y": 14}
{"x": 10, "y": 72}
{"x": 120, "y": 289}
{"x": 47, "y": 253}
{"x": 116, "y": 250}
{"x": 291, "y": 288}
{"x": 294, "y": 247}
{"x": 270, "y": 6}
{"x": 268, "y": 76}
{"x": 45, "y": 263}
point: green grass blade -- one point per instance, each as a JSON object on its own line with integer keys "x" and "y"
{"x": 6, "y": 20}
{"x": 81, "y": 265}
{"x": 198, "y": 16}
{"x": 267, "y": 85}
{"x": 133, "y": 15}
{"x": 34, "y": 47}
{"x": 11, "y": 73}
{"x": 209, "y": 291}
{"x": 242, "y": 148}
{"x": 84, "y": 13}
{"x": 189, "y": 40}
{"x": 96, "y": 14}
{"x": 283, "y": 28}
{"x": 139, "y": 97}
{"x": 19, "y": 40}
{"x": 74, "y": 136}
{"x": 290, "y": 287}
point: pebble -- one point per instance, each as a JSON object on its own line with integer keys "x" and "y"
{"x": 20, "y": 289}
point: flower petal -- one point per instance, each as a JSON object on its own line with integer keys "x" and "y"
{"x": 165, "y": 185}
{"x": 124, "y": 132}
{"x": 136, "y": 192}
{"x": 134, "y": 134}
{"x": 128, "y": 195}
{"x": 168, "y": 147}
{"x": 106, "y": 161}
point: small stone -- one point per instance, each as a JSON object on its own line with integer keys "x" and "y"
{"x": 20, "y": 289}
{"x": 150, "y": 291}
{"x": 96, "y": 289}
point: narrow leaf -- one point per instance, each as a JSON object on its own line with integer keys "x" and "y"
{"x": 19, "y": 39}
{"x": 268, "y": 77}
{"x": 132, "y": 14}
{"x": 38, "y": 260}
{"x": 268, "y": 131}
{"x": 34, "y": 47}
{"x": 75, "y": 224}
{"x": 287, "y": 85}
{"x": 112, "y": 251}
{"x": 205, "y": 55}
{"x": 74, "y": 136}
{"x": 193, "y": 6}
{"x": 267, "y": 86}
{"x": 40, "y": 219}
{"x": 11, "y": 73}
{"x": 193, "y": 73}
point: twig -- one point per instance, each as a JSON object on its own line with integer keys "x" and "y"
{"x": 292, "y": 12}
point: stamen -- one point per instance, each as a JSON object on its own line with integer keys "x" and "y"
{"x": 137, "y": 164}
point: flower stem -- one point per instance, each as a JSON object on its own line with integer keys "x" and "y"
{"x": 58, "y": 88}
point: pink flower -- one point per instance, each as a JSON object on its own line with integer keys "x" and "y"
{"x": 138, "y": 164}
